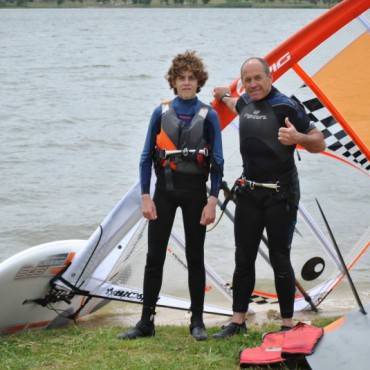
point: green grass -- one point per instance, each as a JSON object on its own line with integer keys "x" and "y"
{"x": 78, "y": 347}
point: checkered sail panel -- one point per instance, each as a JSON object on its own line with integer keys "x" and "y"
{"x": 336, "y": 138}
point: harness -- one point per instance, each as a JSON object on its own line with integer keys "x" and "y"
{"x": 242, "y": 183}
{"x": 164, "y": 154}
{"x": 282, "y": 188}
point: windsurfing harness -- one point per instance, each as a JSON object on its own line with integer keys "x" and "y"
{"x": 285, "y": 189}
{"x": 279, "y": 346}
{"x": 242, "y": 184}
{"x": 181, "y": 146}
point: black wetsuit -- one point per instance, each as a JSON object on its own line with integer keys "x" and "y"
{"x": 266, "y": 160}
{"x": 190, "y": 194}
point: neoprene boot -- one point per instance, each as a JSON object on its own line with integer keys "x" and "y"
{"x": 144, "y": 327}
{"x": 197, "y": 328}
{"x": 230, "y": 330}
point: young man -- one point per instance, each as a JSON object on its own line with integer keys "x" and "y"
{"x": 271, "y": 125}
{"x": 184, "y": 143}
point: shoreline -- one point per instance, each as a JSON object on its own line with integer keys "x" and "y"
{"x": 125, "y": 314}
{"x": 118, "y": 314}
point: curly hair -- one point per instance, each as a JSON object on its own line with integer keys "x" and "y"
{"x": 188, "y": 61}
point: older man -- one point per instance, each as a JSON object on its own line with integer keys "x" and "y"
{"x": 271, "y": 125}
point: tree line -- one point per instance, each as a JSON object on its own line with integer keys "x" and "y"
{"x": 327, "y": 3}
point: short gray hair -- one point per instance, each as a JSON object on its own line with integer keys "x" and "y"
{"x": 265, "y": 65}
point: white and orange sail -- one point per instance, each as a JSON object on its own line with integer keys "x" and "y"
{"x": 334, "y": 83}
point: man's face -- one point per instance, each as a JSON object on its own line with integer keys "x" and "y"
{"x": 186, "y": 85}
{"x": 256, "y": 82}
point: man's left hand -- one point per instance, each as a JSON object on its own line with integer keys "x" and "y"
{"x": 288, "y": 135}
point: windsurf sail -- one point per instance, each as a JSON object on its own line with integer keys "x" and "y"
{"x": 335, "y": 104}
{"x": 111, "y": 265}
{"x": 114, "y": 228}
{"x": 321, "y": 58}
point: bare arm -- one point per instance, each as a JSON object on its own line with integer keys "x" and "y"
{"x": 223, "y": 94}
{"x": 313, "y": 141}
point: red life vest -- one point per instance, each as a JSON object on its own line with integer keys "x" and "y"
{"x": 277, "y": 346}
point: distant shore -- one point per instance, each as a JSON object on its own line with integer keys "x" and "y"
{"x": 176, "y": 4}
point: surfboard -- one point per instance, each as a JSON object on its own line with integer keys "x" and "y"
{"x": 26, "y": 277}
{"x": 31, "y": 299}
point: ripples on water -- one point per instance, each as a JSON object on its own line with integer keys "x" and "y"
{"x": 77, "y": 90}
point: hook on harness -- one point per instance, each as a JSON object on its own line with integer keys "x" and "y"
{"x": 185, "y": 152}
{"x": 242, "y": 183}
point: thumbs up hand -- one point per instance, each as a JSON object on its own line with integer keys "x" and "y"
{"x": 288, "y": 135}
{"x": 288, "y": 123}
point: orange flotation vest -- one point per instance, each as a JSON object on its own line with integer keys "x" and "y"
{"x": 180, "y": 147}
{"x": 278, "y": 346}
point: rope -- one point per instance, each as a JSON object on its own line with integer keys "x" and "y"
{"x": 216, "y": 223}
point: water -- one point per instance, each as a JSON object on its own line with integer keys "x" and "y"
{"x": 77, "y": 90}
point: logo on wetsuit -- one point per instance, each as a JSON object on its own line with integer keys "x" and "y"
{"x": 255, "y": 115}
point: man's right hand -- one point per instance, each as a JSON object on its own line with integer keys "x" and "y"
{"x": 148, "y": 207}
{"x": 218, "y": 92}
{"x": 229, "y": 101}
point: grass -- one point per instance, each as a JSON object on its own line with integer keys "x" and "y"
{"x": 78, "y": 347}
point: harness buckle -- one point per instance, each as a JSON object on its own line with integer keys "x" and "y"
{"x": 185, "y": 152}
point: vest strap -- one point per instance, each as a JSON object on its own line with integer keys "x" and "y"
{"x": 185, "y": 152}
